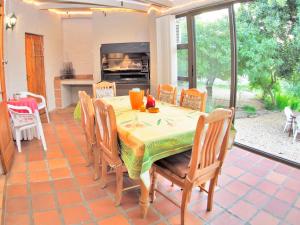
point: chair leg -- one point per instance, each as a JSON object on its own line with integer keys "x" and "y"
{"x": 41, "y": 132}
{"x": 285, "y": 127}
{"x": 184, "y": 203}
{"x": 18, "y": 140}
{"x": 153, "y": 185}
{"x": 96, "y": 164}
{"x": 295, "y": 136}
{"x": 119, "y": 181}
{"x": 211, "y": 191}
{"x": 89, "y": 152}
{"x": 47, "y": 114}
{"x": 43, "y": 138}
{"x": 103, "y": 172}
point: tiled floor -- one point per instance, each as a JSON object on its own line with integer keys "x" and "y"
{"x": 55, "y": 187}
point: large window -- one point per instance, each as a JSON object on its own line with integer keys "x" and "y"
{"x": 246, "y": 55}
{"x": 268, "y": 41}
{"x": 182, "y": 53}
{"x": 213, "y": 57}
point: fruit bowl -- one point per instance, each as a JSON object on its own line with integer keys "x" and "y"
{"x": 153, "y": 110}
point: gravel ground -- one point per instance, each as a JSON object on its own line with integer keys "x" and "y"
{"x": 265, "y": 132}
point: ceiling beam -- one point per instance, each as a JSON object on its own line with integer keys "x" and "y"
{"x": 46, "y": 6}
{"x": 98, "y": 3}
{"x": 160, "y": 3}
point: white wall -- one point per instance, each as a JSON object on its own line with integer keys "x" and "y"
{"x": 82, "y": 37}
{"x": 78, "y": 43}
{"x": 76, "y": 39}
{"x": 31, "y": 20}
{"x": 117, "y": 28}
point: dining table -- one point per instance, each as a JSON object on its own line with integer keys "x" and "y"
{"x": 147, "y": 137}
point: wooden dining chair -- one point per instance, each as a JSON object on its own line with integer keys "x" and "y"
{"x": 202, "y": 164}
{"x": 104, "y": 89}
{"x": 107, "y": 137}
{"x": 88, "y": 125}
{"x": 167, "y": 93}
{"x": 194, "y": 99}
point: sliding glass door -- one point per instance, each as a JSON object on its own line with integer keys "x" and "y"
{"x": 213, "y": 57}
{"x": 246, "y": 55}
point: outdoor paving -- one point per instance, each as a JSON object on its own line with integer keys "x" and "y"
{"x": 265, "y": 132}
{"x": 55, "y": 187}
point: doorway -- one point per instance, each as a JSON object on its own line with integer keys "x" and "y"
{"x": 34, "y": 51}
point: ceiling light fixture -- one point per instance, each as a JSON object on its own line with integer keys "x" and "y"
{"x": 31, "y": 2}
{"x": 117, "y": 10}
{"x": 134, "y": 2}
{"x": 153, "y": 8}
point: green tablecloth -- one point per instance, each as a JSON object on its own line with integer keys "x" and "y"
{"x": 77, "y": 112}
{"x": 146, "y": 137}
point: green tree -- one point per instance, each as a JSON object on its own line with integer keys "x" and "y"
{"x": 213, "y": 54}
{"x": 268, "y": 43}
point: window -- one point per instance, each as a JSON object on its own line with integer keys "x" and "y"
{"x": 182, "y": 54}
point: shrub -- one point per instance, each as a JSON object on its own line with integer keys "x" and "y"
{"x": 282, "y": 101}
{"x": 249, "y": 109}
{"x": 219, "y": 106}
{"x": 294, "y": 103}
{"x": 268, "y": 103}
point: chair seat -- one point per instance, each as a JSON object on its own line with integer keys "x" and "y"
{"x": 176, "y": 164}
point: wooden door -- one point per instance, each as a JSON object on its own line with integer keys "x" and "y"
{"x": 7, "y": 147}
{"x": 2, "y": 77}
{"x": 34, "y": 50}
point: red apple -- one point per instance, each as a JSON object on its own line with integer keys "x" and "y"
{"x": 150, "y": 101}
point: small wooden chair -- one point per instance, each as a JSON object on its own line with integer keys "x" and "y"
{"x": 104, "y": 89}
{"x": 203, "y": 163}
{"x": 194, "y": 99}
{"x": 107, "y": 138}
{"x": 88, "y": 125}
{"x": 167, "y": 93}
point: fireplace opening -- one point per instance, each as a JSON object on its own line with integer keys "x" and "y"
{"x": 127, "y": 64}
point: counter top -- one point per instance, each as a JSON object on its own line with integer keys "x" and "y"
{"x": 77, "y": 82}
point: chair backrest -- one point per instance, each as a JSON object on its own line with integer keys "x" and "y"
{"x": 22, "y": 117}
{"x": 288, "y": 113}
{"x": 87, "y": 116}
{"x": 210, "y": 144}
{"x": 106, "y": 131}
{"x": 194, "y": 99}
{"x": 104, "y": 89}
{"x": 167, "y": 93}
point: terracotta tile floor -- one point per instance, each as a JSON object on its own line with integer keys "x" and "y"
{"x": 55, "y": 187}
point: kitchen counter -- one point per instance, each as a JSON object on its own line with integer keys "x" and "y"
{"x": 66, "y": 90}
{"x": 77, "y": 82}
